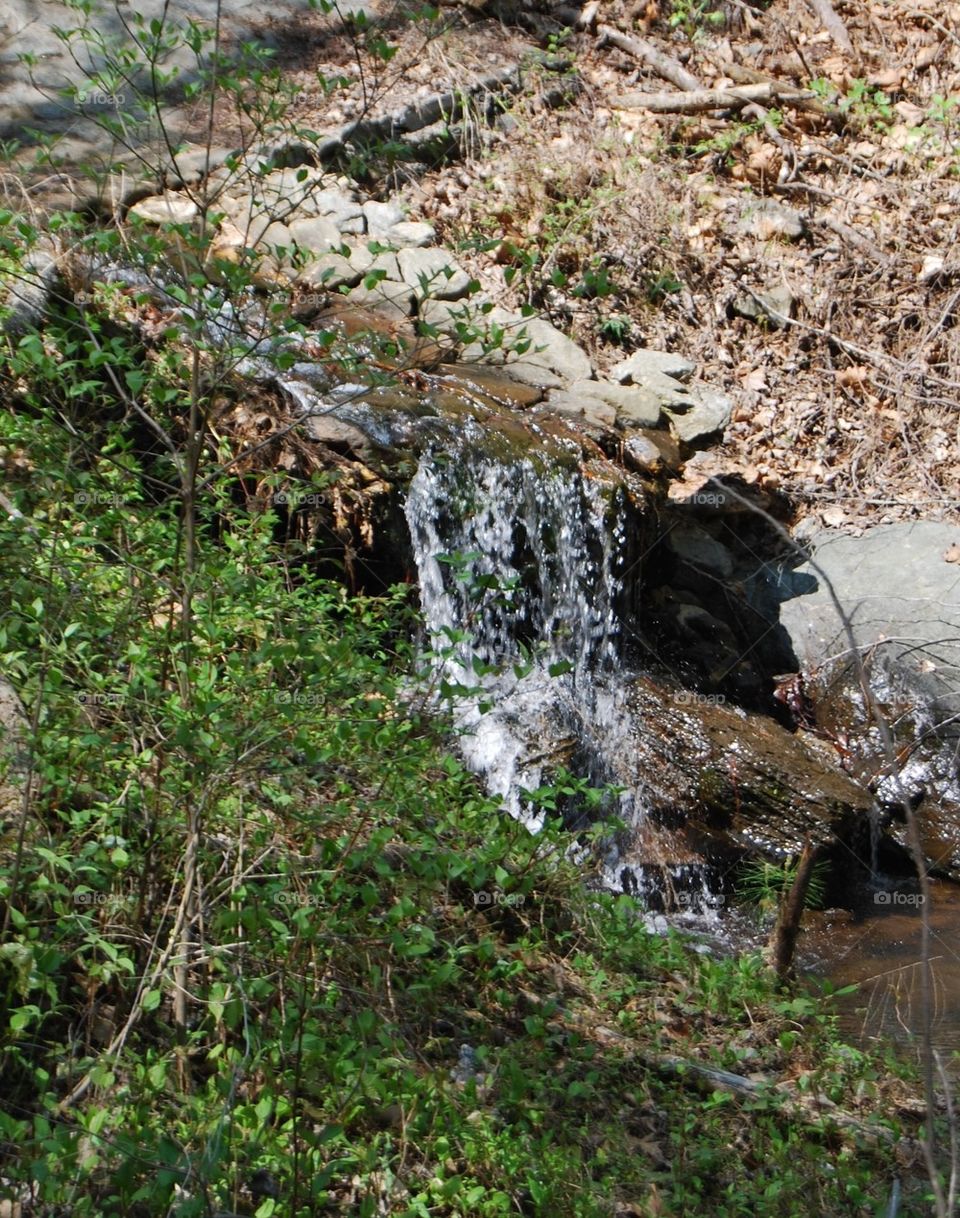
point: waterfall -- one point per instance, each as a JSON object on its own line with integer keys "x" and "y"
{"x": 522, "y": 562}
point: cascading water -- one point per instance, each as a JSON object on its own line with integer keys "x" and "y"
{"x": 522, "y": 561}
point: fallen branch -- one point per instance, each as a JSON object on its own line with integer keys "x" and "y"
{"x": 664, "y": 65}
{"x": 734, "y": 98}
{"x": 832, "y": 24}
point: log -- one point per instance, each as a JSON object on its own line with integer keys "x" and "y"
{"x": 703, "y": 100}
{"x": 664, "y": 65}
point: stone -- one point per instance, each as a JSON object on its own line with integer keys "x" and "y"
{"x": 769, "y": 308}
{"x": 28, "y": 294}
{"x": 381, "y": 217}
{"x": 695, "y": 547}
{"x": 315, "y": 234}
{"x": 551, "y": 349}
{"x": 390, "y": 299}
{"x": 645, "y": 366}
{"x": 635, "y": 406}
{"x": 275, "y": 237}
{"x": 582, "y": 407}
{"x": 327, "y": 429}
{"x": 338, "y": 206}
{"x": 433, "y": 273}
{"x": 902, "y": 595}
{"x": 411, "y": 233}
{"x": 193, "y": 162}
{"x": 329, "y": 272}
{"x": 702, "y": 412}
{"x": 169, "y": 208}
{"x": 766, "y": 219}
{"x": 366, "y": 262}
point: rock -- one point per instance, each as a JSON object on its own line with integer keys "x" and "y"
{"x": 695, "y": 548}
{"x": 552, "y": 350}
{"x": 368, "y": 263}
{"x": 329, "y": 272}
{"x": 315, "y": 234}
{"x": 327, "y": 429}
{"x": 275, "y": 238}
{"x": 388, "y": 298}
{"x": 646, "y": 366}
{"x": 194, "y": 162}
{"x": 340, "y": 207}
{"x": 169, "y": 208}
{"x": 433, "y": 273}
{"x": 635, "y": 406}
{"x": 767, "y": 219}
{"x": 411, "y": 233}
{"x": 582, "y": 407}
{"x": 497, "y": 386}
{"x": 27, "y": 295}
{"x": 770, "y": 308}
{"x": 903, "y": 598}
{"x": 702, "y": 412}
{"x": 381, "y": 217}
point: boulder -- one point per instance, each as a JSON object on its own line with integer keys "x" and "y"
{"x": 26, "y": 296}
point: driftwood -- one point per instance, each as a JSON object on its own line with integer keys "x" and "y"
{"x": 703, "y": 100}
{"x": 664, "y": 65}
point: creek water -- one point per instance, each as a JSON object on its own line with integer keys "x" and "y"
{"x": 876, "y": 946}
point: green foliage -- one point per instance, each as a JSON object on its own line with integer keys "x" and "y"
{"x": 763, "y": 884}
{"x": 695, "y": 17}
{"x": 249, "y": 916}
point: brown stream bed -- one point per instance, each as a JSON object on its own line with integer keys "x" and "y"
{"x": 877, "y": 946}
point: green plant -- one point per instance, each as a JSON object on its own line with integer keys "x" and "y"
{"x": 693, "y": 16}
{"x": 763, "y": 884}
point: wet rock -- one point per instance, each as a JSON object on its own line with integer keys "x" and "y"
{"x": 744, "y": 782}
{"x": 647, "y": 367}
{"x": 699, "y": 414}
{"x": 433, "y": 273}
{"x": 326, "y": 429}
{"x": 168, "y": 208}
{"x": 500, "y": 387}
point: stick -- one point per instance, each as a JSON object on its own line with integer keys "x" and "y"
{"x": 702, "y": 100}
{"x": 664, "y": 66}
{"x": 832, "y": 23}
{"x": 783, "y": 941}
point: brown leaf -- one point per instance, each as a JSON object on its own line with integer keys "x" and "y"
{"x": 953, "y": 554}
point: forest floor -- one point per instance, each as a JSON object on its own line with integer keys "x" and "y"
{"x": 832, "y": 196}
